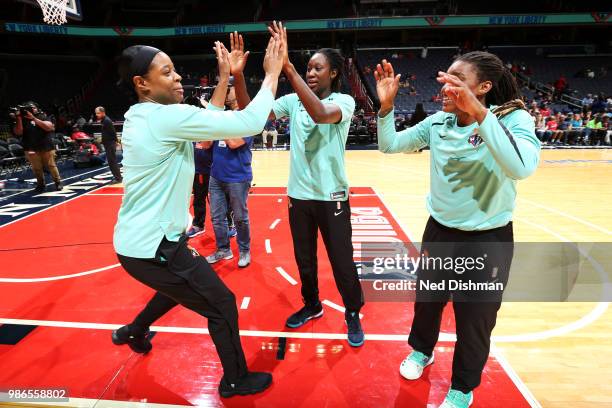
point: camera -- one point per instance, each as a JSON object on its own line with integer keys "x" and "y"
{"x": 203, "y": 92}
{"x": 22, "y": 109}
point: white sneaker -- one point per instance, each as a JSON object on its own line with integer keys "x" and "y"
{"x": 412, "y": 367}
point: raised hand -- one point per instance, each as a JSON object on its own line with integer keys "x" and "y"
{"x": 387, "y": 85}
{"x": 222, "y": 60}
{"x": 273, "y": 60}
{"x": 278, "y": 29}
{"x": 237, "y": 56}
{"x": 462, "y": 96}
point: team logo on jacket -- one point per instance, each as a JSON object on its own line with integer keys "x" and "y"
{"x": 475, "y": 139}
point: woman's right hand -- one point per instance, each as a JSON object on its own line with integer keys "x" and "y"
{"x": 273, "y": 60}
{"x": 387, "y": 85}
{"x": 222, "y": 60}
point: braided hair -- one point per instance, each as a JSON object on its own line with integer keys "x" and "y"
{"x": 505, "y": 92}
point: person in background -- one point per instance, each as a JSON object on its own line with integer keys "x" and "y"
{"x": 35, "y": 129}
{"x": 109, "y": 140}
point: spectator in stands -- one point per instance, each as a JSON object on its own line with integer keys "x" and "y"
{"x": 540, "y": 126}
{"x": 563, "y": 127}
{"x": 551, "y": 130}
{"x": 593, "y": 131}
{"x": 545, "y": 110}
{"x": 35, "y": 131}
{"x": 587, "y": 101}
{"x": 560, "y": 84}
{"x": 575, "y": 129}
{"x": 109, "y": 140}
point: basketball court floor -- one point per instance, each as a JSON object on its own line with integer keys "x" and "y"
{"x": 62, "y": 292}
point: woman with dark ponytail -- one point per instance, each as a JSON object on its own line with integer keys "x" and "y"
{"x": 320, "y": 117}
{"x": 481, "y": 143}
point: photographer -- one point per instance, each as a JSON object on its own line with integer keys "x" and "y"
{"x": 35, "y": 131}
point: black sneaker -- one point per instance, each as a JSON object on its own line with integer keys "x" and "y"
{"x": 252, "y": 383}
{"x": 41, "y": 188}
{"x": 303, "y": 315}
{"x": 139, "y": 344}
{"x": 356, "y": 337}
{"x": 59, "y": 186}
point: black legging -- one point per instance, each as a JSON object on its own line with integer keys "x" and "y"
{"x": 181, "y": 276}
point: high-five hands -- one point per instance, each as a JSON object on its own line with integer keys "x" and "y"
{"x": 277, "y": 29}
{"x": 223, "y": 60}
{"x": 273, "y": 60}
{"x": 387, "y": 85}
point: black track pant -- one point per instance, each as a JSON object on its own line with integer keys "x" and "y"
{"x": 111, "y": 158}
{"x": 333, "y": 219}
{"x": 200, "y": 192}
{"x": 475, "y": 311}
{"x": 181, "y": 276}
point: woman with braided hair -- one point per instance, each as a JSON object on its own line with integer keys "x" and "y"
{"x": 481, "y": 143}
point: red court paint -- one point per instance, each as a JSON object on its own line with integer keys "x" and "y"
{"x": 182, "y": 368}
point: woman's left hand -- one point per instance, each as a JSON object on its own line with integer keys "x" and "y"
{"x": 462, "y": 96}
{"x": 238, "y": 57}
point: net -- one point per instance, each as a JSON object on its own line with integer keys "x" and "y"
{"x": 54, "y": 11}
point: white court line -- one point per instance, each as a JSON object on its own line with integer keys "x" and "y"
{"x": 93, "y": 403}
{"x": 54, "y": 278}
{"x": 337, "y": 307}
{"x": 570, "y": 216}
{"x": 268, "y": 247}
{"x": 286, "y": 275}
{"x": 501, "y": 359}
{"x": 245, "y": 302}
{"x": 201, "y": 330}
{"x": 275, "y": 223}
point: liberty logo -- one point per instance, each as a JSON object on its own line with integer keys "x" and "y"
{"x": 475, "y": 139}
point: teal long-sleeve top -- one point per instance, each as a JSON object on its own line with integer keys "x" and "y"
{"x": 159, "y": 166}
{"x": 473, "y": 168}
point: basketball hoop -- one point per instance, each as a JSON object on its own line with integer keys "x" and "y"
{"x": 54, "y": 11}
